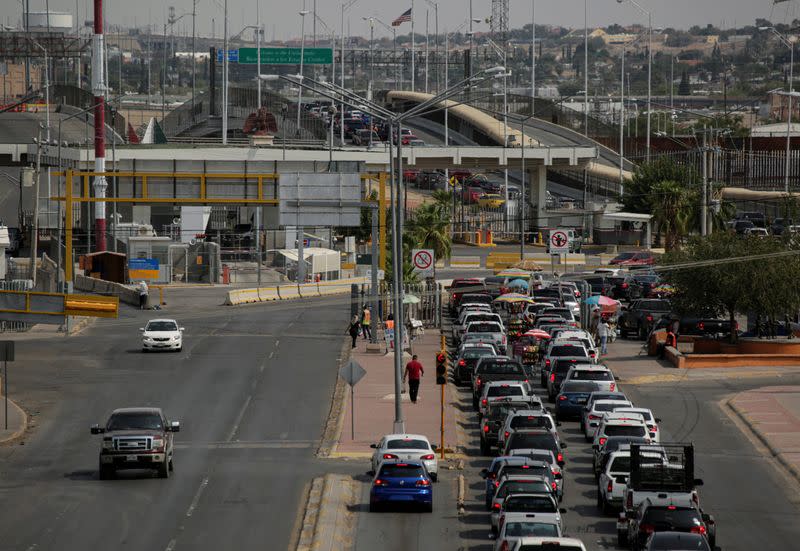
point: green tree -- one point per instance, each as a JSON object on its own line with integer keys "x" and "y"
{"x": 430, "y": 229}
{"x": 684, "y": 89}
{"x": 672, "y": 204}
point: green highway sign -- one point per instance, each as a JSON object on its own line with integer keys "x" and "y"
{"x": 286, "y": 56}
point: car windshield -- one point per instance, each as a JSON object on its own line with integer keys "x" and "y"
{"x": 130, "y": 421}
{"x": 605, "y": 407}
{"x": 568, "y": 350}
{"x": 620, "y": 465}
{"x": 531, "y": 422}
{"x": 535, "y": 441}
{"x": 550, "y": 546}
{"x": 161, "y": 326}
{"x": 671, "y": 517}
{"x": 477, "y": 353}
{"x": 480, "y": 317}
{"x": 484, "y": 327}
{"x": 498, "y": 413}
{"x": 530, "y": 504}
{"x": 521, "y": 487}
{"x": 542, "y": 470}
{"x": 625, "y": 430}
{"x": 499, "y": 367}
{"x": 614, "y": 442}
{"x": 531, "y": 529}
{"x": 665, "y": 541}
{"x": 504, "y": 390}
{"x": 399, "y": 470}
{"x": 407, "y": 444}
{"x": 577, "y": 386}
{"x": 591, "y": 375}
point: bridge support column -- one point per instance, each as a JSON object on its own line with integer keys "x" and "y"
{"x": 536, "y": 195}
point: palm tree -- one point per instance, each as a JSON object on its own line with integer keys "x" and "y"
{"x": 429, "y": 229}
{"x": 672, "y": 211}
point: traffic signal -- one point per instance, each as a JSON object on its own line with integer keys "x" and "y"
{"x": 441, "y": 368}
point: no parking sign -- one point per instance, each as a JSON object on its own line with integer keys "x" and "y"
{"x": 423, "y": 260}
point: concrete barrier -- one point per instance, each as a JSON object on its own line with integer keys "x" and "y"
{"x": 289, "y": 292}
{"x": 101, "y": 287}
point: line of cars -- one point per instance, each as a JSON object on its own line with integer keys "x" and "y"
{"x": 519, "y": 427}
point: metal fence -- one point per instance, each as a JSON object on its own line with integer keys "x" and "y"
{"x": 15, "y": 285}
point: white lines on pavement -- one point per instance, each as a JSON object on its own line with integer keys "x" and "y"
{"x": 239, "y": 418}
{"x": 249, "y": 445}
{"x": 277, "y": 343}
{"x": 196, "y": 498}
{"x": 171, "y": 545}
{"x": 271, "y": 354}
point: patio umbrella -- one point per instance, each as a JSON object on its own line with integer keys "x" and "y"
{"x": 518, "y": 284}
{"x": 528, "y": 265}
{"x": 514, "y": 272}
{"x": 512, "y": 297}
{"x": 538, "y": 333}
{"x": 605, "y": 303}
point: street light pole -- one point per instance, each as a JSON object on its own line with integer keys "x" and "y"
{"x": 303, "y": 14}
{"x": 789, "y": 117}
{"x": 622, "y": 122}
{"x": 533, "y": 58}
{"x": 225, "y": 76}
{"x": 585, "y": 68}
{"x": 649, "y": 64}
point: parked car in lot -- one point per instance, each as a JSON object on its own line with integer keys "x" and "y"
{"x": 405, "y": 447}
{"x": 136, "y": 438}
{"x": 401, "y": 482}
{"x": 633, "y": 258}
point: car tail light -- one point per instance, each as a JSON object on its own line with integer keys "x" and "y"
{"x": 389, "y": 456}
{"x": 429, "y": 457}
{"x": 591, "y": 353}
{"x": 547, "y": 363}
{"x": 484, "y": 401}
{"x": 552, "y": 377}
{"x": 506, "y": 433}
{"x": 701, "y": 326}
{"x": 462, "y": 363}
{"x": 649, "y": 317}
{"x": 612, "y": 387}
{"x": 602, "y": 441}
{"x": 610, "y": 486}
{"x": 698, "y": 530}
{"x": 423, "y": 482}
{"x": 593, "y": 417}
{"x": 478, "y": 382}
{"x": 554, "y": 486}
{"x": 504, "y": 339}
{"x": 496, "y": 483}
{"x": 624, "y": 285}
{"x": 454, "y": 296}
{"x": 736, "y": 325}
{"x": 495, "y": 506}
{"x": 504, "y": 546}
{"x": 654, "y": 428}
{"x": 629, "y": 501}
{"x": 647, "y": 528}
{"x": 560, "y": 458}
{"x": 562, "y": 398}
{"x": 485, "y": 428}
{"x": 379, "y": 482}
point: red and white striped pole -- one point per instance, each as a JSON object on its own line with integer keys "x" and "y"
{"x": 99, "y": 91}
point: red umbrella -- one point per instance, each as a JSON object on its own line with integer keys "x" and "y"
{"x": 538, "y": 333}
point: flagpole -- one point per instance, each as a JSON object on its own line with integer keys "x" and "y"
{"x": 412, "y": 47}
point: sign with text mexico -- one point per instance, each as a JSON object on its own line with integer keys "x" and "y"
{"x": 143, "y": 268}
{"x": 286, "y": 56}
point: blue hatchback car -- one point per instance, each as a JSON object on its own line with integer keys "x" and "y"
{"x": 401, "y": 483}
{"x": 572, "y": 398}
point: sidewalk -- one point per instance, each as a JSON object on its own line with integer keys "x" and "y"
{"x": 773, "y": 414}
{"x": 17, "y": 420}
{"x": 374, "y": 401}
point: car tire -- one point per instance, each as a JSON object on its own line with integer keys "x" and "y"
{"x": 434, "y": 477}
{"x": 474, "y": 403}
{"x": 106, "y": 472}
{"x": 163, "y": 470}
{"x": 712, "y": 542}
{"x": 599, "y": 501}
{"x": 171, "y": 466}
{"x": 485, "y": 450}
{"x": 373, "y": 508}
{"x": 622, "y": 540}
{"x": 428, "y": 507}
{"x": 642, "y": 334}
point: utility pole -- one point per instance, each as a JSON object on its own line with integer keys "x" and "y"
{"x": 99, "y": 90}
{"x": 194, "y": 46}
{"x": 704, "y": 203}
{"x": 35, "y": 221}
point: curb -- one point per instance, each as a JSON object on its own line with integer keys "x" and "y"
{"x": 328, "y": 520}
{"x": 335, "y": 421}
{"x": 21, "y": 430}
{"x": 777, "y": 454}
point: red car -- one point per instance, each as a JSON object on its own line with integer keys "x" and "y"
{"x": 407, "y": 138}
{"x": 410, "y": 175}
{"x": 634, "y": 258}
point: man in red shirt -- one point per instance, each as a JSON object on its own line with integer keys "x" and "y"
{"x": 414, "y": 372}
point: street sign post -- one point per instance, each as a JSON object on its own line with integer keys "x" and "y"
{"x": 285, "y": 56}
{"x": 351, "y": 374}
{"x": 7, "y": 355}
{"x": 423, "y": 262}
{"x": 233, "y": 56}
{"x": 559, "y": 241}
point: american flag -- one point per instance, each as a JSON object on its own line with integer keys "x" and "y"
{"x": 402, "y": 19}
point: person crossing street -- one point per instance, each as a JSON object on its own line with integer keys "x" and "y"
{"x": 414, "y": 372}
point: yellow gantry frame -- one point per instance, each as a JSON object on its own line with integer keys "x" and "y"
{"x": 203, "y": 199}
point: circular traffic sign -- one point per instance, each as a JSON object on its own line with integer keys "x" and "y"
{"x": 422, "y": 260}
{"x": 559, "y": 239}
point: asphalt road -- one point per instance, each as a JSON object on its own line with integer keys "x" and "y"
{"x": 755, "y": 504}
{"x": 252, "y": 390}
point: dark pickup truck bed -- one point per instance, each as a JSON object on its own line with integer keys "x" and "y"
{"x": 641, "y": 316}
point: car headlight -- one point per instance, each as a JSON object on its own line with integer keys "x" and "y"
{"x": 176, "y": 338}
{"x": 149, "y": 339}
{"x": 158, "y": 443}
{"x": 108, "y": 444}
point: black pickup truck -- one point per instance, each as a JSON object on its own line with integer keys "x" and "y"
{"x": 707, "y": 327}
{"x": 641, "y": 316}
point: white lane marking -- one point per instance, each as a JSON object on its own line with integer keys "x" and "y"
{"x": 171, "y": 545}
{"x": 271, "y": 354}
{"x": 277, "y": 342}
{"x": 239, "y": 418}
{"x": 196, "y": 500}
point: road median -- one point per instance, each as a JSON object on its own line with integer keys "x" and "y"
{"x": 290, "y": 291}
{"x": 329, "y": 521}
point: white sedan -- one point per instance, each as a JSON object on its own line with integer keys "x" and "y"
{"x": 162, "y": 334}
{"x": 409, "y": 447}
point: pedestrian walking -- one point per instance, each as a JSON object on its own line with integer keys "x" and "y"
{"x": 354, "y": 329}
{"x": 413, "y": 373}
{"x": 143, "y": 292}
{"x": 366, "y": 319}
{"x": 594, "y": 323}
{"x": 602, "y": 332}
